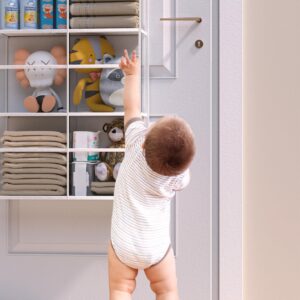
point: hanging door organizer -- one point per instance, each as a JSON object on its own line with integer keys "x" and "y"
{"x": 54, "y": 135}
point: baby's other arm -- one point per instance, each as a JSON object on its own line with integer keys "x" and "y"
{"x": 132, "y": 101}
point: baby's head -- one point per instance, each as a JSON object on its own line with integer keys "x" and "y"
{"x": 169, "y": 146}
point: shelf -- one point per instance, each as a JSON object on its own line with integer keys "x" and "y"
{"x": 51, "y": 32}
{"x": 94, "y": 198}
{"x": 33, "y": 149}
{"x": 74, "y": 150}
{"x": 58, "y": 198}
{"x": 96, "y": 114}
{"x": 65, "y": 114}
{"x": 16, "y": 67}
{"x": 13, "y": 116}
{"x": 43, "y": 198}
{"x": 110, "y": 31}
{"x": 27, "y": 114}
{"x": 33, "y": 32}
{"x": 96, "y": 66}
{"x": 71, "y": 67}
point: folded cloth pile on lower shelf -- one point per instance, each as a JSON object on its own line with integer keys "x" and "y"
{"x": 34, "y": 173}
{"x": 104, "y": 14}
{"x": 103, "y": 188}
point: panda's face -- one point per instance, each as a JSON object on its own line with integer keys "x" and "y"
{"x": 112, "y": 86}
{"x": 116, "y": 134}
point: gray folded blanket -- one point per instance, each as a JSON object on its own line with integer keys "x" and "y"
{"x": 105, "y": 22}
{"x": 38, "y": 176}
{"x": 29, "y": 138}
{"x": 34, "y": 155}
{"x": 32, "y": 190}
{"x": 62, "y": 171}
{"x": 61, "y": 161}
{"x": 105, "y": 9}
{"x": 36, "y": 181}
{"x": 33, "y": 144}
{"x": 35, "y": 133}
{"x": 103, "y": 188}
{"x": 33, "y": 165}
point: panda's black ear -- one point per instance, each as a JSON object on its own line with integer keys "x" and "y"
{"x": 106, "y": 127}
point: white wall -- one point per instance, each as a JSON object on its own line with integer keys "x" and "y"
{"x": 272, "y": 150}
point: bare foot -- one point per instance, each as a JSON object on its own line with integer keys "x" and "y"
{"x": 31, "y": 104}
{"x": 48, "y": 103}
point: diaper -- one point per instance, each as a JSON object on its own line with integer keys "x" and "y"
{"x": 140, "y": 258}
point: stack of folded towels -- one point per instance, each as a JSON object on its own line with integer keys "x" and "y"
{"x": 104, "y": 14}
{"x": 34, "y": 173}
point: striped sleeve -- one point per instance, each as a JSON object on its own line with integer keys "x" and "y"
{"x": 134, "y": 129}
{"x": 182, "y": 180}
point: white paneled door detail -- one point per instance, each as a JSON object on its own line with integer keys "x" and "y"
{"x": 56, "y": 250}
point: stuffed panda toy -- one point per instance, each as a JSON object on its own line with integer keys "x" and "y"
{"x": 112, "y": 86}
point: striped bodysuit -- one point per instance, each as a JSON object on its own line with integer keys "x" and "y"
{"x": 140, "y": 232}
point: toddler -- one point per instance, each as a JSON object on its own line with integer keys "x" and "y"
{"x": 154, "y": 167}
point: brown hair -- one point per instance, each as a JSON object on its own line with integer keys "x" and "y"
{"x": 169, "y": 146}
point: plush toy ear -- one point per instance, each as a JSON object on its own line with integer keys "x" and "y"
{"x": 106, "y": 127}
{"x": 20, "y": 58}
{"x": 59, "y": 53}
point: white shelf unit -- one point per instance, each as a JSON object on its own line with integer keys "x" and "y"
{"x": 13, "y": 115}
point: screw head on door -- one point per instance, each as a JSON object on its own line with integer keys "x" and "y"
{"x": 199, "y": 44}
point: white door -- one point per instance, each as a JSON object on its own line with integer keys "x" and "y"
{"x": 50, "y": 250}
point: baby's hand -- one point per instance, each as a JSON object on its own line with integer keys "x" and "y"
{"x": 129, "y": 66}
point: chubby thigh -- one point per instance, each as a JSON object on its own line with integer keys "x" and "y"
{"x": 162, "y": 276}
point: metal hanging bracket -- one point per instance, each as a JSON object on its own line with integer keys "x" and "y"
{"x": 193, "y": 19}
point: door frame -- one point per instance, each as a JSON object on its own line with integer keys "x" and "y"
{"x": 230, "y": 150}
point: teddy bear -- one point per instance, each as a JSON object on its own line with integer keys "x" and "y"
{"x": 108, "y": 168}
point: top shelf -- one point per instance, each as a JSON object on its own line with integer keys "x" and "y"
{"x": 61, "y": 32}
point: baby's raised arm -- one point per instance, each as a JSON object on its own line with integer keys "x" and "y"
{"x": 132, "y": 101}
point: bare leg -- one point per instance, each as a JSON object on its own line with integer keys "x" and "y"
{"x": 48, "y": 103}
{"x": 121, "y": 278}
{"x": 163, "y": 280}
{"x": 31, "y": 104}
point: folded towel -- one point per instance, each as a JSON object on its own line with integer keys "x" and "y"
{"x": 32, "y": 190}
{"x": 35, "y": 133}
{"x": 105, "y": 22}
{"x": 28, "y": 138}
{"x": 34, "y": 144}
{"x": 105, "y": 9}
{"x": 56, "y": 177}
{"x": 103, "y": 188}
{"x": 33, "y": 165}
{"x": 61, "y": 161}
{"x": 34, "y": 155}
{"x": 62, "y": 171}
{"x": 36, "y": 181}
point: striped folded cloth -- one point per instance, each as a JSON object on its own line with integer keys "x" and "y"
{"x": 105, "y": 22}
{"x": 105, "y": 9}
